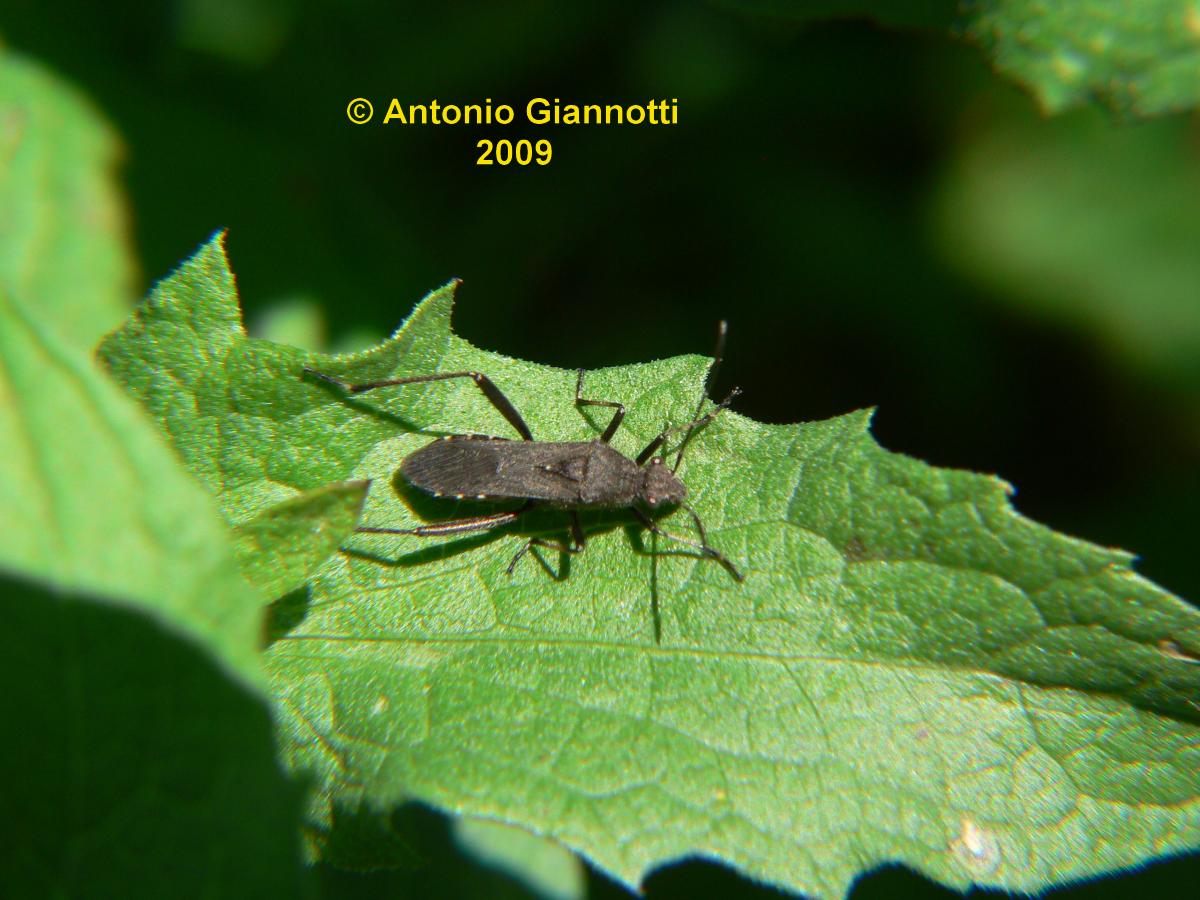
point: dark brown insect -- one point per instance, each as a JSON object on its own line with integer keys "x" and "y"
{"x": 570, "y": 475}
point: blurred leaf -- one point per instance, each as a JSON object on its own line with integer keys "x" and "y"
{"x": 903, "y": 14}
{"x": 281, "y": 546}
{"x": 911, "y": 671}
{"x": 250, "y": 32}
{"x": 1139, "y": 57}
{"x": 548, "y": 868}
{"x": 63, "y": 242}
{"x": 354, "y": 867}
{"x": 1094, "y": 226}
{"x": 94, "y": 502}
{"x": 361, "y": 840}
{"x": 143, "y": 771}
{"x": 298, "y": 321}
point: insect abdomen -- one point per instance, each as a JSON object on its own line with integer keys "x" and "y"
{"x": 454, "y": 468}
{"x": 492, "y": 469}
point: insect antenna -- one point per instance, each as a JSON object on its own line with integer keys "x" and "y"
{"x": 709, "y": 379}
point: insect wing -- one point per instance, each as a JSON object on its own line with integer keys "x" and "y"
{"x": 498, "y": 470}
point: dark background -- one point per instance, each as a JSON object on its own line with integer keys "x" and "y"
{"x": 821, "y": 192}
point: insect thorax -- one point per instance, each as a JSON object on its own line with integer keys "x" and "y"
{"x": 660, "y": 486}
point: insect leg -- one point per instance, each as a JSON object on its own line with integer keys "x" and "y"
{"x": 577, "y": 545}
{"x": 455, "y": 526}
{"x": 709, "y": 380}
{"x": 502, "y": 404}
{"x": 580, "y": 400}
{"x": 577, "y": 531}
{"x": 689, "y": 428}
{"x": 702, "y": 545}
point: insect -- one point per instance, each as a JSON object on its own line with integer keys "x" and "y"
{"x": 567, "y": 475}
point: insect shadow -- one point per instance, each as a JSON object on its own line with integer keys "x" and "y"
{"x": 284, "y": 614}
{"x": 543, "y": 524}
{"x": 570, "y": 476}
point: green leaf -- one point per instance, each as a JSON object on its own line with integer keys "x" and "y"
{"x": 139, "y": 769}
{"x": 186, "y": 344}
{"x": 910, "y": 672}
{"x": 1139, "y": 57}
{"x": 281, "y": 546}
{"x": 354, "y": 864}
{"x": 546, "y": 867}
{"x": 297, "y": 320}
{"x": 1089, "y": 225}
{"x": 63, "y": 242}
{"x": 93, "y": 501}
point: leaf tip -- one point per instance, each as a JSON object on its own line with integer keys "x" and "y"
{"x": 212, "y": 251}
{"x": 434, "y": 310}
{"x": 204, "y": 283}
{"x": 863, "y": 417}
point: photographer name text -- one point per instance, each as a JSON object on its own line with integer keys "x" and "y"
{"x": 538, "y": 111}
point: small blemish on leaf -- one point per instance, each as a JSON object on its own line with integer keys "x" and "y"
{"x": 379, "y": 705}
{"x": 855, "y": 550}
{"x": 1068, "y": 66}
{"x": 976, "y": 848}
{"x": 1191, "y": 20}
{"x": 921, "y": 734}
{"x": 1175, "y": 650}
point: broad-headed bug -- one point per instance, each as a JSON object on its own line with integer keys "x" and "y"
{"x": 568, "y": 475}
